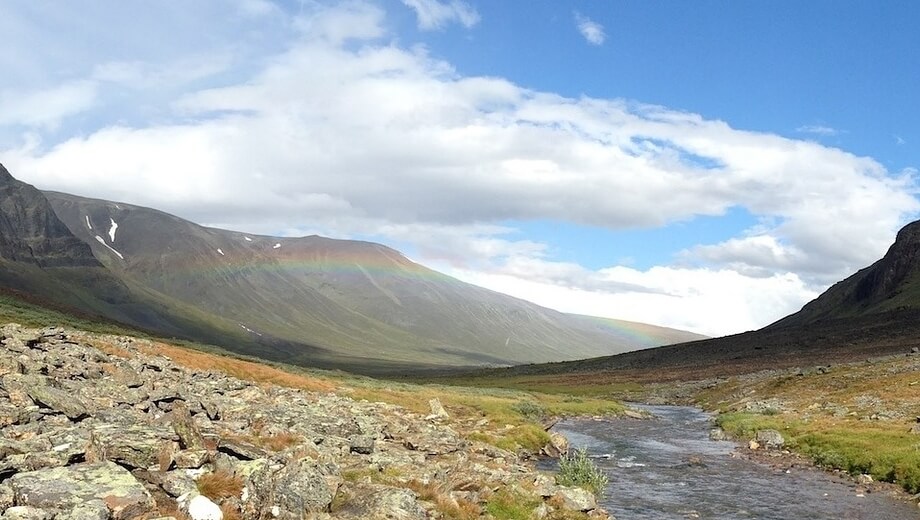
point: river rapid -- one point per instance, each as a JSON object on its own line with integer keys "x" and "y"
{"x": 667, "y": 468}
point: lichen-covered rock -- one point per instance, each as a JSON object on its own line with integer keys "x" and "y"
{"x": 56, "y": 399}
{"x": 382, "y": 502}
{"x": 135, "y": 446}
{"x": 770, "y": 439}
{"x": 67, "y": 488}
{"x": 299, "y": 490}
{"x": 576, "y": 499}
{"x": 27, "y": 513}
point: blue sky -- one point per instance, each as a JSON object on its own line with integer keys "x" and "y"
{"x": 709, "y": 165}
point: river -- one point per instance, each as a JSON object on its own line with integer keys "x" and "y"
{"x": 648, "y": 463}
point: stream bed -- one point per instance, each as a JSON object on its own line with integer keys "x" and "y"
{"x": 667, "y": 468}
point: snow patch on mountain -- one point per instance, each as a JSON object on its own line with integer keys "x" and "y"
{"x": 221, "y": 251}
{"x": 247, "y": 329}
{"x": 247, "y": 239}
{"x": 90, "y": 226}
{"x": 113, "y": 229}
{"x": 102, "y": 241}
{"x": 276, "y": 246}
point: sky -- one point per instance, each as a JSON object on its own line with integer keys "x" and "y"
{"x": 709, "y": 166}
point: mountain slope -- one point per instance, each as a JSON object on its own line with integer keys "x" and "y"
{"x": 41, "y": 258}
{"x": 874, "y": 312}
{"x": 892, "y": 283}
{"x": 358, "y": 299}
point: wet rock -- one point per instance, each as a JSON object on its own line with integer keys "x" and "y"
{"x": 73, "y": 486}
{"x": 718, "y": 434}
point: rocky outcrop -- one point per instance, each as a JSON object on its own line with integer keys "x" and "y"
{"x": 31, "y": 232}
{"x": 108, "y": 436}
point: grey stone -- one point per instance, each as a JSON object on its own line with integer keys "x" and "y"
{"x": 300, "y": 489}
{"x": 67, "y": 488}
{"x": 363, "y": 444}
{"x": 27, "y": 513}
{"x": 56, "y": 399}
{"x": 92, "y": 510}
{"x": 770, "y": 439}
{"x": 576, "y": 499}
{"x": 135, "y": 446}
{"x": 382, "y": 502}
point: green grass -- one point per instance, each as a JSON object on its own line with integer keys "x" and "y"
{"x": 857, "y": 447}
{"x": 507, "y": 505}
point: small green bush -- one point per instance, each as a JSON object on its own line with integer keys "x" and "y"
{"x": 529, "y": 409}
{"x": 576, "y": 469}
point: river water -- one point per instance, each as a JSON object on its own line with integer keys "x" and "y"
{"x": 647, "y": 462}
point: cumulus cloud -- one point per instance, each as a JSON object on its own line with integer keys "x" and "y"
{"x": 345, "y": 133}
{"x": 434, "y": 14}
{"x": 592, "y": 31}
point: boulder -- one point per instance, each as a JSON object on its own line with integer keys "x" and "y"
{"x": 181, "y": 419}
{"x": 718, "y": 434}
{"x": 200, "y": 507}
{"x": 382, "y": 502}
{"x": 134, "y": 446}
{"x": 73, "y": 486}
{"x": 557, "y": 446}
{"x": 298, "y": 490}
{"x": 363, "y": 444}
{"x": 437, "y": 409}
{"x": 27, "y": 513}
{"x": 576, "y": 499}
{"x": 56, "y": 399}
{"x": 770, "y": 439}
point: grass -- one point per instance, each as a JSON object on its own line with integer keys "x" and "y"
{"x": 509, "y": 505}
{"x": 576, "y": 469}
{"x": 220, "y": 485}
{"x": 833, "y": 417}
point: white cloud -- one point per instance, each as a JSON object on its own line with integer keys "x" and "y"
{"x": 592, "y": 31}
{"x": 818, "y": 130}
{"x": 346, "y": 133}
{"x": 47, "y": 107}
{"x": 898, "y": 140}
{"x": 434, "y": 14}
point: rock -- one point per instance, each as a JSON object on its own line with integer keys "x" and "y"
{"x": 437, "y": 410}
{"x": 545, "y": 486}
{"x": 383, "y": 502}
{"x": 718, "y": 434}
{"x": 753, "y": 445}
{"x": 363, "y": 444}
{"x": 191, "y": 459}
{"x": 26, "y": 513}
{"x": 576, "y": 499}
{"x": 242, "y": 450}
{"x": 200, "y": 507}
{"x": 298, "y": 489}
{"x": 189, "y": 436}
{"x": 178, "y": 483}
{"x": 634, "y": 414}
{"x": 864, "y": 479}
{"x": 770, "y": 439}
{"x": 58, "y": 400}
{"x": 93, "y": 510}
{"x": 70, "y": 487}
{"x": 135, "y": 446}
{"x": 557, "y": 446}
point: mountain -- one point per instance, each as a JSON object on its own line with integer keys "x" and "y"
{"x": 363, "y": 302}
{"x": 41, "y": 258}
{"x": 892, "y": 283}
{"x": 874, "y": 312}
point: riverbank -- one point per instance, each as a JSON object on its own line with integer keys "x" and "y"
{"x": 668, "y": 468}
{"x": 101, "y": 427}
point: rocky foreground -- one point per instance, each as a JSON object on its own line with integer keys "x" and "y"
{"x": 111, "y": 433}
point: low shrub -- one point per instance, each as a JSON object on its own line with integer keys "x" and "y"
{"x": 577, "y": 469}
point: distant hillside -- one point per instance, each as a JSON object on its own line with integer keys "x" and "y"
{"x": 360, "y": 300}
{"x": 872, "y": 313}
